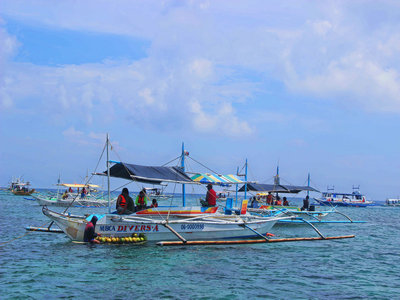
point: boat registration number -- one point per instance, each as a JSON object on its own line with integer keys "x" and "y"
{"x": 192, "y": 226}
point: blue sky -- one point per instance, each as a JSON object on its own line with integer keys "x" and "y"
{"x": 314, "y": 86}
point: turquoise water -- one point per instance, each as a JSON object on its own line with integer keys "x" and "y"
{"x": 43, "y": 265}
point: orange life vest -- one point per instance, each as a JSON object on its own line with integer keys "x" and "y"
{"x": 141, "y": 200}
{"x": 122, "y": 202}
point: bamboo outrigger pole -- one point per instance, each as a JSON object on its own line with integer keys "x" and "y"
{"x": 257, "y": 241}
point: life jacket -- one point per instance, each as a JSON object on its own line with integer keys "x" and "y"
{"x": 278, "y": 202}
{"x": 141, "y": 200}
{"x": 122, "y": 202}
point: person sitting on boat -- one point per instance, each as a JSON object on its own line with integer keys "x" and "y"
{"x": 306, "y": 203}
{"x": 65, "y": 195}
{"x": 141, "y": 200}
{"x": 70, "y": 190}
{"x": 254, "y": 202}
{"x": 270, "y": 199}
{"x": 278, "y": 201}
{"x": 211, "y": 197}
{"x": 125, "y": 204}
{"x": 285, "y": 202}
{"x": 154, "y": 203}
{"x": 90, "y": 234}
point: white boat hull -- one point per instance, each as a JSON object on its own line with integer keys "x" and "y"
{"x": 190, "y": 229}
{"x": 43, "y": 201}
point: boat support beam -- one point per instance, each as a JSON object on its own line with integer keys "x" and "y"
{"x": 344, "y": 216}
{"x": 255, "y": 231}
{"x": 315, "y": 228}
{"x": 174, "y": 232}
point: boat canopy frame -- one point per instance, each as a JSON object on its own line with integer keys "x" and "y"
{"x": 276, "y": 188}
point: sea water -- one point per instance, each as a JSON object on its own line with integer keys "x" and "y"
{"x": 37, "y": 265}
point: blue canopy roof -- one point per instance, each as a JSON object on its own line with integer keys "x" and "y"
{"x": 149, "y": 174}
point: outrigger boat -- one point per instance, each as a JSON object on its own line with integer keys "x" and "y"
{"x": 392, "y": 202}
{"x": 355, "y": 199}
{"x": 299, "y": 215}
{"x": 156, "y": 193}
{"x": 21, "y": 188}
{"x": 180, "y": 225}
{"x": 184, "y": 223}
{"x": 73, "y": 198}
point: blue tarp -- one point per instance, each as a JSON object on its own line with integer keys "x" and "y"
{"x": 148, "y": 174}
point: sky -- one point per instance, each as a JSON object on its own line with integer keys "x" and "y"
{"x": 311, "y": 86}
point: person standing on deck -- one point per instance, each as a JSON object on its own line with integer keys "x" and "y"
{"x": 125, "y": 204}
{"x": 90, "y": 233}
{"x": 211, "y": 197}
{"x": 270, "y": 199}
{"x": 141, "y": 200}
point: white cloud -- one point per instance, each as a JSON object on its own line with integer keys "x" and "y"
{"x": 146, "y": 95}
{"x": 221, "y": 119}
{"x": 323, "y": 51}
{"x": 201, "y": 68}
{"x": 321, "y": 27}
{"x": 358, "y": 79}
{"x": 72, "y": 133}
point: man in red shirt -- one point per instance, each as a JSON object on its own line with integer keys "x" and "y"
{"x": 211, "y": 197}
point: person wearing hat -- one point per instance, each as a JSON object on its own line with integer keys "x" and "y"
{"x": 211, "y": 197}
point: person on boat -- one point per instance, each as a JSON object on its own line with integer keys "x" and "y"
{"x": 278, "y": 201}
{"x": 254, "y": 202}
{"x": 90, "y": 233}
{"x": 65, "y": 195}
{"x": 70, "y": 190}
{"x": 285, "y": 202}
{"x": 211, "y": 197}
{"x": 154, "y": 203}
{"x": 141, "y": 200}
{"x": 270, "y": 199}
{"x": 306, "y": 203}
{"x": 125, "y": 204}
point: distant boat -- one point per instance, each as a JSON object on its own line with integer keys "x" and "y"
{"x": 73, "y": 198}
{"x": 355, "y": 199}
{"x": 156, "y": 193}
{"x": 392, "y": 202}
{"x": 20, "y": 188}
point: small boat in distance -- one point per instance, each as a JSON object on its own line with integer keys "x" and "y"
{"x": 392, "y": 202}
{"x": 83, "y": 195}
{"x": 156, "y": 193}
{"x": 355, "y": 199}
{"x": 20, "y": 188}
